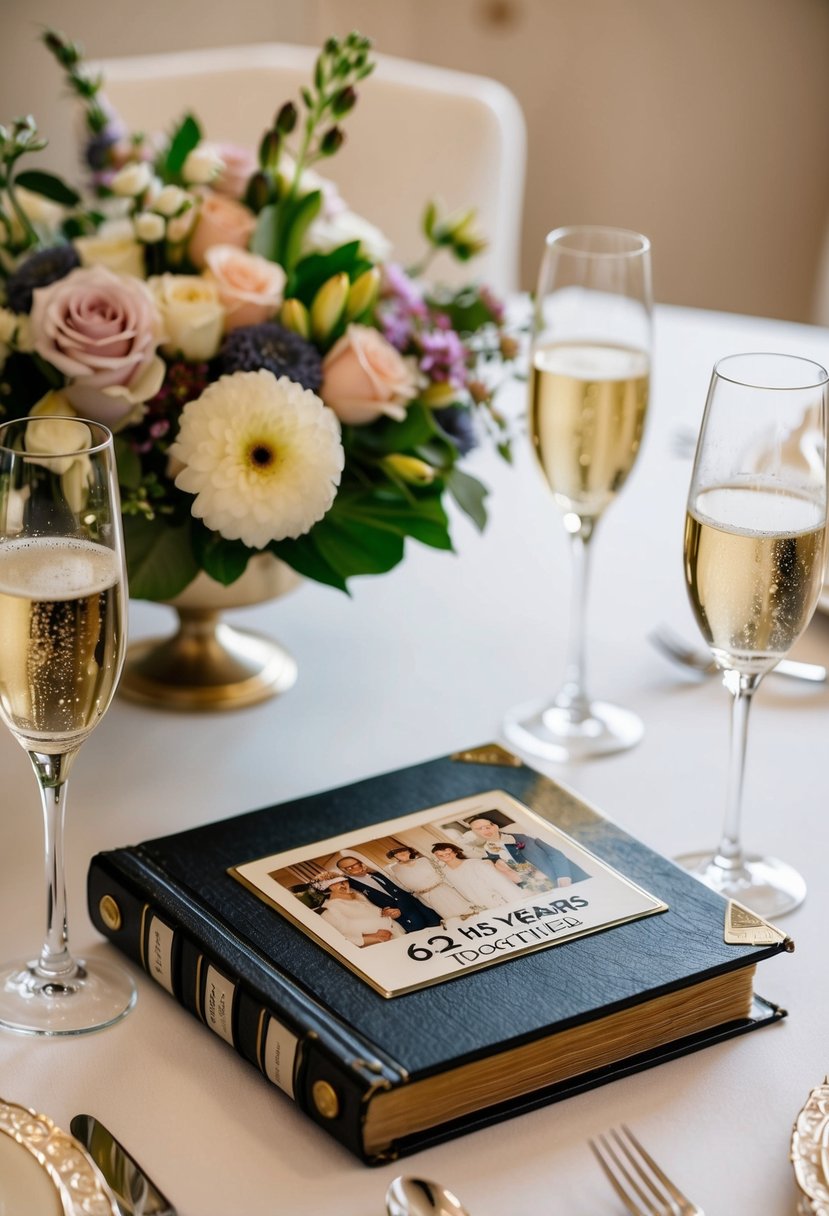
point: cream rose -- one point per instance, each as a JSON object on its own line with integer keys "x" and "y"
{"x": 365, "y": 377}
{"x": 221, "y": 221}
{"x": 250, "y": 287}
{"x": 115, "y": 247}
{"x": 327, "y": 232}
{"x": 191, "y": 313}
{"x": 101, "y": 330}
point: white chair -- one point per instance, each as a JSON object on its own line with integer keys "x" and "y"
{"x": 417, "y": 132}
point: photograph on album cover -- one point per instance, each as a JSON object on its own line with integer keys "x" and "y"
{"x": 431, "y": 895}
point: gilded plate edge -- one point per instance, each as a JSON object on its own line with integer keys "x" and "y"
{"x": 809, "y": 1147}
{"x": 80, "y": 1185}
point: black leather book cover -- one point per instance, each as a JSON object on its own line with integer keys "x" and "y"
{"x": 371, "y": 1040}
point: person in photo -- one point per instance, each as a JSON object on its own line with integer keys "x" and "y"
{"x": 477, "y": 880}
{"x": 423, "y": 877}
{"x": 394, "y": 903}
{"x": 538, "y": 865}
{"x": 351, "y": 914}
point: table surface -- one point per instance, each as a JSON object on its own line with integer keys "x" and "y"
{"x": 415, "y": 664}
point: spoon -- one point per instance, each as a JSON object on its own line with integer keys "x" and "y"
{"x": 701, "y": 664}
{"x": 419, "y": 1197}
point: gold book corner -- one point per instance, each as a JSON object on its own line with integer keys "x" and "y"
{"x": 745, "y": 928}
{"x": 489, "y": 753}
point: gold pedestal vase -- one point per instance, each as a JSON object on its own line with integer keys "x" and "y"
{"x": 207, "y": 664}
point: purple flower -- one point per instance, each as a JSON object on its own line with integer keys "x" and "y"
{"x": 398, "y": 285}
{"x": 495, "y": 306}
{"x": 443, "y": 356}
{"x": 459, "y": 424}
{"x": 99, "y": 146}
{"x": 39, "y": 270}
{"x": 401, "y": 309}
{"x": 274, "y": 348}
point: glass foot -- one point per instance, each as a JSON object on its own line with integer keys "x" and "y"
{"x": 553, "y": 732}
{"x": 765, "y": 885}
{"x": 93, "y": 997}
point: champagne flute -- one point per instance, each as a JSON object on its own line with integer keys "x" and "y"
{"x": 62, "y": 642}
{"x": 755, "y": 535}
{"x": 590, "y": 371}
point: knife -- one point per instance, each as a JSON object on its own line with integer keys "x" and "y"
{"x": 135, "y": 1194}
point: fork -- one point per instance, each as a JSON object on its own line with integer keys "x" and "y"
{"x": 701, "y": 664}
{"x": 637, "y": 1179}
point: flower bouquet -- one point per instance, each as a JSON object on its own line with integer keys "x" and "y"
{"x": 275, "y": 382}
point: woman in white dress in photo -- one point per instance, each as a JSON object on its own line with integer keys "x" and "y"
{"x": 351, "y": 914}
{"x": 477, "y": 880}
{"x": 424, "y": 878}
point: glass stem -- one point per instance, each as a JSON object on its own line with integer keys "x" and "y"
{"x": 55, "y": 961}
{"x": 572, "y": 695}
{"x": 742, "y": 687}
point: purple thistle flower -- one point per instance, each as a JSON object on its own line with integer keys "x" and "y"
{"x": 459, "y": 425}
{"x": 274, "y": 348}
{"x": 97, "y": 153}
{"x": 39, "y": 270}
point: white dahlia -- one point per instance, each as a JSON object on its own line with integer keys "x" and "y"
{"x": 263, "y": 457}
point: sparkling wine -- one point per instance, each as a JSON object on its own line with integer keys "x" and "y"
{"x": 754, "y": 570}
{"x": 62, "y": 617}
{"x": 587, "y": 413}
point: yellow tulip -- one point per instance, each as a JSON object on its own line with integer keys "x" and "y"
{"x": 294, "y": 316}
{"x": 411, "y": 469}
{"x": 362, "y": 293}
{"x": 328, "y": 306}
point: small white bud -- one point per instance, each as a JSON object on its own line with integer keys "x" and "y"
{"x": 170, "y": 200}
{"x": 132, "y": 180}
{"x": 202, "y": 165}
{"x": 180, "y": 226}
{"x": 150, "y": 227}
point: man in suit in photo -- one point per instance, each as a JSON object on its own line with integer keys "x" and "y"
{"x": 409, "y": 912}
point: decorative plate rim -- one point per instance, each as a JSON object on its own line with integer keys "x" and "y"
{"x": 78, "y": 1181}
{"x": 809, "y": 1151}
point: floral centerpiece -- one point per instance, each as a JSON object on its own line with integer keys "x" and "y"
{"x": 274, "y": 380}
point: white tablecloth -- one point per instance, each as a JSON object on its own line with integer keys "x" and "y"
{"x": 415, "y": 664}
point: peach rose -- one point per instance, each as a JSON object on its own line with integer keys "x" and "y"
{"x": 364, "y": 377}
{"x": 250, "y": 287}
{"x": 238, "y": 166}
{"x": 221, "y": 221}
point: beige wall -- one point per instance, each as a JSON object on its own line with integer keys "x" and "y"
{"x": 704, "y": 123}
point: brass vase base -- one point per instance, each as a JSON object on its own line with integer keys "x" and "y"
{"x": 206, "y": 665}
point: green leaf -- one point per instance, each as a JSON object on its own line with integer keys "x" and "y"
{"x": 420, "y": 516}
{"x": 129, "y": 464}
{"x": 303, "y": 556}
{"x": 470, "y": 495}
{"x": 224, "y": 560}
{"x": 160, "y": 560}
{"x": 49, "y": 186}
{"x": 467, "y": 309}
{"x": 303, "y": 212}
{"x": 355, "y": 547}
{"x": 185, "y": 138}
{"x": 266, "y": 234}
{"x": 386, "y": 435}
{"x": 312, "y": 271}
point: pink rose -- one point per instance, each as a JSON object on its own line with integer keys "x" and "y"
{"x": 250, "y": 287}
{"x": 101, "y": 330}
{"x": 364, "y": 377}
{"x": 239, "y": 166}
{"x": 221, "y": 221}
